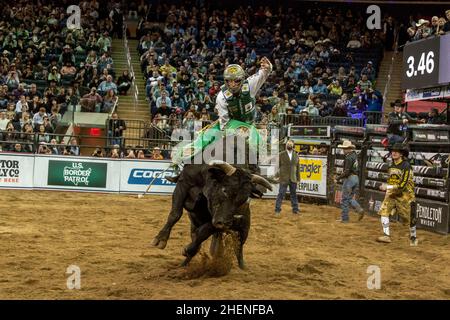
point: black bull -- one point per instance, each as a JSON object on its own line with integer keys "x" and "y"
{"x": 217, "y": 199}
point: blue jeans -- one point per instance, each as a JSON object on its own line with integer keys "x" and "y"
{"x": 393, "y": 138}
{"x": 282, "y": 192}
{"x": 349, "y": 189}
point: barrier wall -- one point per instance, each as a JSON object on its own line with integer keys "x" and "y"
{"x": 76, "y": 173}
{"x": 88, "y": 174}
{"x": 16, "y": 171}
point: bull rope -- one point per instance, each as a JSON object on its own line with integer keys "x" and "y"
{"x": 153, "y": 180}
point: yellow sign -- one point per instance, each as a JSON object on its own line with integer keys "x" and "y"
{"x": 311, "y": 169}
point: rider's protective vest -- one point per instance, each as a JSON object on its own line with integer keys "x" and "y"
{"x": 241, "y": 107}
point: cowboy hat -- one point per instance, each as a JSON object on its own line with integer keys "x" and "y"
{"x": 346, "y": 145}
{"x": 421, "y": 22}
{"x": 400, "y": 147}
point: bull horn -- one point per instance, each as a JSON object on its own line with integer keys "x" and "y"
{"x": 224, "y": 166}
{"x": 260, "y": 180}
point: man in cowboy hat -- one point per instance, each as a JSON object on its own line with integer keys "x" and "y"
{"x": 424, "y": 29}
{"x": 350, "y": 181}
{"x": 400, "y": 197}
{"x": 397, "y": 123}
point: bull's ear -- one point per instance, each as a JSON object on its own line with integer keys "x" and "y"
{"x": 216, "y": 174}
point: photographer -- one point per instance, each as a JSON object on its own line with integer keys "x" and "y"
{"x": 98, "y": 152}
{"x": 54, "y": 75}
{"x": 43, "y": 149}
{"x": 12, "y": 80}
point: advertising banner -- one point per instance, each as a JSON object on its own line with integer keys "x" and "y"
{"x": 432, "y": 216}
{"x": 77, "y": 173}
{"x": 313, "y": 176}
{"x": 136, "y": 175}
{"x": 16, "y": 170}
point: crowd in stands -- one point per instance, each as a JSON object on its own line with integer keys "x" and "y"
{"x": 325, "y": 64}
{"x": 423, "y": 28}
{"x": 325, "y": 61}
{"x": 48, "y": 67}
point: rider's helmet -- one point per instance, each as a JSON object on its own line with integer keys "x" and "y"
{"x": 234, "y": 76}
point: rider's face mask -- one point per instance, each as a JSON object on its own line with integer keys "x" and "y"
{"x": 234, "y": 85}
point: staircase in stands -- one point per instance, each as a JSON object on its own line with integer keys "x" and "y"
{"x": 394, "y": 90}
{"x": 127, "y": 108}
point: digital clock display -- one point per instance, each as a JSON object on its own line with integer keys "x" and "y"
{"x": 421, "y": 64}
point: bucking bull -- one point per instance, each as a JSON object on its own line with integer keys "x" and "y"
{"x": 217, "y": 198}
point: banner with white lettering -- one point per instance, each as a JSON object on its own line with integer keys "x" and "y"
{"x": 76, "y": 173}
{"x": 16, "y": 170}
{"x": 136, "y": 175}
{"x": 313, "y": 176}
{"x": 432, "y": 216}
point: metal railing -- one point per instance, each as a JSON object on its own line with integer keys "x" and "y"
{"x": 79, "y": 145}
{"x": 297, "y": 119}
{"x": 391, "y": 67}
{"x": 130, "y": 65}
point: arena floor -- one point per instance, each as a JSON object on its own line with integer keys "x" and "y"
{"x": 108, "y": 237}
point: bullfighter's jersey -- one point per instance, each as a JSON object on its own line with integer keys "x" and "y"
{"x": 241, "y": 107}
{"x": 401, "y": 175}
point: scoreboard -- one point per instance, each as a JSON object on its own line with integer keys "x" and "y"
{"x": 426, "y": 63}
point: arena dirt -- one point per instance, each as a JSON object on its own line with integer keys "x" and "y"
{"x": 108, "y": 237}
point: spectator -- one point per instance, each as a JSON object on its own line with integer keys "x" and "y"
{"x": 156, "y": 154}
{"x": 18, "y": 148}
{"x": 141, "y": 154}
{"x": 354, "y": 43}
{"x": 54, "y": 75}
{"x": 374, "y": 101}
{"x": 335, "y": 88}
{"x": 74, "y": 149}
{"x": 364, "y": 83}
{"x": 124, "y": 81}
{"x": 434, "y": 117}
{"x": 3, "y": 121}
{"x": 54, "y": 147}
{"x": 434, "y": 25}
{"x": 109, "y": 101}
{"x": 22, "y": 105}
{"x": 107, "y": 85}
{"x": 38, "y": 118}
{"x": 116, "y": 127}
{"x": 91, "y": 101}
{"x": 369, "y": 71}
{"x": 441, "y": 27}
{"x": 130, "y": 153}
{"x": 320, "y": 87}
{"x": 98, "y": 152}
{"x": 163, "y": 98}
{"x": 306, "y": 88}
{"x": 339, "y": 109}
{"x": 447, "y": 24}
{"x": 68, "y": 71}
{"x": 389, "y": 33}
{"x": 115, "y": 151}
{"x": 42, "y": 134}
{"x": 55, "y": 117}
{"x": 163, "y": 110}
{"x": 311, "y": 110}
